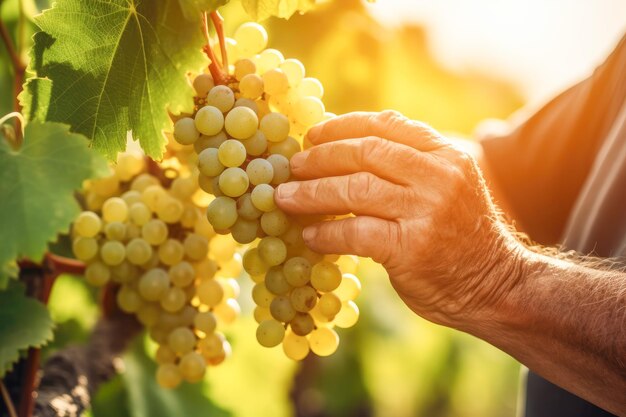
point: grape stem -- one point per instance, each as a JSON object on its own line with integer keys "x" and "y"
{"x": 19, "y": 68}
{"x": 216, "y": 71}
{"x": 218, "y": 23}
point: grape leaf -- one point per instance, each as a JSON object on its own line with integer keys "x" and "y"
{"x": 37, "y": 183}
{"x": 116, "y": 66}
{"x": 24, "y": 323}
{"x": 193, "y": 8}
{"x": 262, "y": 9}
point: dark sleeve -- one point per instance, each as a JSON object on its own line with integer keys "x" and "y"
{"x": 541, "y": 166}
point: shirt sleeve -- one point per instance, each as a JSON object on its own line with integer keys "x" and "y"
{"x": 541, "y": 166}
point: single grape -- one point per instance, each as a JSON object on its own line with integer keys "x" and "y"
{"x": 128, "y": 165}
{"x": 256, "y": 144}
{"x": 297, "y": 271}
{"x": 251, "y": 104}
{"x": 294, "y": 70}
{"x": 192, "y": 367}
{"x": 168, "y": 375}
{"x": 124, "y": 272}
{"x": 260, "y": 171}
{"x": 128, "y": 299}
{"x": 206, "y": 142}
{"x": 276, "y": 282}
{"x": 149, "y": 314}
{"x": 131, "y": 197}
{"x": 244, "y": 231}
{"x": 85, "y": 248}
{"x": 303, "y": 298}
{"x": 231, "y": 153}
{"x": 275, "y": 81}
{"x": 281, "y": 309}
{"x": 275, "y": 127}
{"x": 274, "y": 222}
{"x": 221, "y": 97}
{"x": 349, "y": 289}
{"x": 268, "y": 59}
{"x": 241, "y": 122}
{"x": 262, "y": 197}
{"x": 348, "y": 315}
{"x": 272, "y": 250}
{"x": 154, "y": 232}
{"x": 251, "y": 38}
{"x": 182, "y": 274}
{"x": 210, "y": 292}
{"x": 251, "y": 86}
{"x": 138, "y": 251}
{"x": 302, "y": 324}
{"x": 164, "y": 354}
{"x": 209, "y": 163}
{"x": 295, "y": 347}
{"x": 205, "y": 322}
{"x": 212, "y": 345}
{"x": 97, "y": 274}
{"x": 253, "y": 263}
{"x": 329, "y": 305}
{"x": 170, "y": 210}
{"x": 325, "y": 276}
{"x": 244, "y": 67}
{"x": 171, "y": 252}
{"x": 246, "y": 209}
{"x": 310, "y": 87}
{"x": 114, "y": 210}
{"x": 234, "y": 182}
{"x": 227, "y": 311}
{"x": 309, "y": 111}
{"x": 196, "y": 247}
{"x": 87, "y": 224}
{"x": 173, "y": 300}
{"x": 185, "y": 131}
{"x": 142, "y": 181}
{"x": 261, "y": 295}
{"x": 222, "y": 213}
{"x": 323, "y": 341}
{"x": 270, "y": 333}
{"x": 262, "y": 313}
{"x": 287, "y": 148}
{"x": 203, "y": 83}
{"x": 209, "y": 120}
{"x": 139, "y": 213}
{"x": 153, "y": 284}
{"x": 151, "y": 196}
{"x": 112, "y": 252}
{"x": 281, "y": 168}
{"x": 181, "y": 340}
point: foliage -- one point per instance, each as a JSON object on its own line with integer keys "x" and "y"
{"x": 37, "y": 184}
{"x": 262, "y": 9}
{"x": 24, "y": 323}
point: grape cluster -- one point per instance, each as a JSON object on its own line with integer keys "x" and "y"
{"x": 152, "y": 243}
{"x": 244, "y": 134}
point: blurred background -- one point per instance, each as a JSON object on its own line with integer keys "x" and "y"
{"x": 450, "y": 63}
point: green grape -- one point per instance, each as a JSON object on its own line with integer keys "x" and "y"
{"x": 246, "y": 209}
{"x": 262, "y": 197}
{"x": 97, "y": 274}
{"x": 274, "y": 222}
{"x": 183, "y": 188}
{"x": 173, "y": 300}
{"x": 215, "y": 187}
{"x": 196, "y": 247}
{"x": 138, "y": 251}
{"x": 231, "y": 288}
{"x": 168, "y": 376}
{"x": 153, "y": 284}
{"x": 244, "y": 67}
{"x": 212, "y": 346}
{"x": 325, "y": 276}
{"x": 349, "y": 289}
{"x": 85, "y": 248}
{"x": 293, "y": 236}
{"x": 222, "y": 213}
{"x": 158, "y": 334}
{"x": 294, "y": 70}
{"x": 270, "y": 333}
{"x": 185, "y": 131}
{"x": 164, "y": 354}
{"x": 276, "y": 282}
{"x": 154, "y": 232}
{"x": 303, "y": 299}
{"x": 295, "y": 347}
{"x": 262, "y": 313}
{"x": 221, "y": 97}
{"x": 190, "y": 217}
{"x": 143, "y": 181}
{"x": 112, "y": 252}
{"x": 287, "y": 148}
{"x": 234, "y": 182}
{"x": 171, "y": 252}
{"x": 148, "y": 314}
{"x": 169, "y": 209}
{"x": 251, "y": 38}
{"x": 323, "y": 341}
{"x": 203, "y": 83}
{"x": 222, "y": 248}
{"x": 275, "y": 81}
{"x": 329, "y": 305}
{"x": 251, "y": 104}
{"x": 253, "y": 263}
{"x": 309, "y": 111}
{"x": 87, "y": 224}
{"x": 231, "y": 153}
{"x": 114, "y": 210}
{"x": 268, "y": 60}
{"x": 182, "y": 274}
{"x": 124, "y": 272}
{"x": 139, "y": 213}
{"x": 275, "y": 127}
{"x": 106, "y": 187}
{"x": 131, "y": 197}
{"x": 132, "y": 231}
{"x": 181, "y": 340}
{"x": 256, "y": 144}
{"x": 202, "y": 225}
{"x": 152, "y": 195}
{"x": 209, "y": 163}
{"x": 241, "y": 123}
{"x": 251, "y": 86}
{"x": 272, "y": 250}
{"x": 302, "y": 324}
{"x": 297, "y": 271}
{"x": 192, "y": 367}
{"x": 281, "y": 168}
{"x": 244, "y": 231}
{"x": 206, "y": 142}
{"x": 210, "y": 292}
{"x": 310, "y": 87}
{"x": 281, "y": 309}
{"x": 260, "y": 171}
{"x": 128, "y": 165}
{"x": 128, "y": 299}
{"x": 348, "y": 315}
{"x": 205, "y": 322}
{"x": 209, "y": 120}
{"x": 261, "y": 295}
{"x": 227, "y": 311}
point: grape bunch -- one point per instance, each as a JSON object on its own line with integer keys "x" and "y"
{"x": 244, "y": 134}
{"x": 151, "y": 242}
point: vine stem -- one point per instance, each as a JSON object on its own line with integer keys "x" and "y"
{"x": 21, "y": 123}
{"x": 7, "y": 400}
{"x": 218, "y": 23}
{"x": 19, "y": 68}
{"x": 217, "y": 71}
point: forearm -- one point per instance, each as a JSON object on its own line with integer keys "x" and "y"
{"x": 567, "y": 322}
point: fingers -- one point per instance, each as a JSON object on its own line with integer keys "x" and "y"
{"x": 361, "y": 236}
{"x": 392, "y": 161}
{"x": 389, "y": 125}
{"x": 361, "y": 193}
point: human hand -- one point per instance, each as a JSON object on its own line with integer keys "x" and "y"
{"x": 421, "y": 209}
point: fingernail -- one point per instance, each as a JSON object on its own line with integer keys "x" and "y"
{"x": 287, "y": 189}
{"x": 298, "y": 159}
{"x": 309, "y": 233}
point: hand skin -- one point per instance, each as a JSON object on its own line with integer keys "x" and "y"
{"x": 422, "y": 209}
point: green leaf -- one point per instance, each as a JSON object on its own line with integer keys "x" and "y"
{"x": 37, "y": 184}
{"x": 35, "y": 98}
{"x": 262, "y": 9}
{"x": 193, "y": 8}
{"x": 24, "y": 323}
{"x": 117, "y": 66}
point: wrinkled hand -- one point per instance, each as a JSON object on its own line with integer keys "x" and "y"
{"x": 421, "y": 209}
